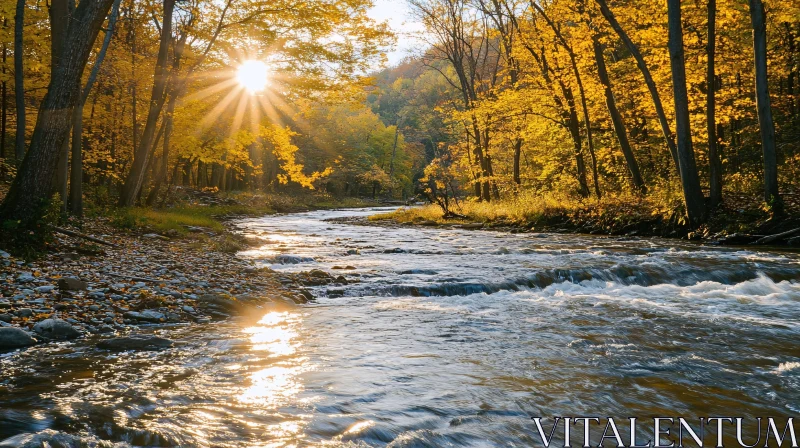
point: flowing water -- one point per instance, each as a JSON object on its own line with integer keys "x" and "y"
{"x": 442, "y": 338}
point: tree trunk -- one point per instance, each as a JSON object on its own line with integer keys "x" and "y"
{"x": 30, "y": 190}
{"x": 648, "y": 79}
{"x": 133, "y": 183}
{"x": 715, "y": 165}
{"x": 162, "y": 170}
{"x": 616, "y": 118}
{"x": 4, "y": 95}
{"x": 76, "y": 170}
{"x": 692, "y": 194}
{"x": 59, "y": 13}
{"x": 767, "y": 127}
{"x": 19, "y": 80}
{"x": 517, "y": 156}
{"x": 574, "y": 130}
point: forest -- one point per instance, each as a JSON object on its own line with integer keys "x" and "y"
{"x": 678, "y": 105}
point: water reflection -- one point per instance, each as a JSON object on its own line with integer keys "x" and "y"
{"x": 278, "y": 385}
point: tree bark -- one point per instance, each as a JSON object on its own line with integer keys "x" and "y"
{"x": 692, "y": 194}
{"x": 715, "y": 165}
{"x": 31, "y": 188}
{"x": 19, "y": 81}
{"x": 133, "y": 183}
{"x": 76, "y": 170}
{"x": 767, "y": 127}
{"x": 59, "y": 13}
{"x": 616, "y": 118}
{"x": 648, "y": 79}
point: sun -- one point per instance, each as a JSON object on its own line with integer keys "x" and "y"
{"x": 252, "y": 75}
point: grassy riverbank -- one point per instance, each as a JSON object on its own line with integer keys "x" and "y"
{"x": 613, "y": 215}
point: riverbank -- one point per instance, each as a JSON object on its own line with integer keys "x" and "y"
{"x": 740, "y": 220}
{"x": 127, "y": 268}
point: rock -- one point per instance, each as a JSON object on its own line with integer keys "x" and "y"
{"x": 4, "y": 254}
{"x": 5, "y": 304}
{"x": 56, "y": 329}
{"x": 97, "y": 295}
{"x": 138, "y": 342}
{"x": 72, "y": 284}
{"x": 218, "y": 299}
{"x": 188, "y": 309}
{"x": 6, "y": 317}
{"x": 473, "y": 226}
{"x": 94, "y": 307}
{"x": 25, "y": 277}
{"x": 24, "y": 312}
{"x": 45, "y": 289}
{"x": 146, "y": 316}
{"x": 155, "y": 236}
{"x": 13, "y": 337}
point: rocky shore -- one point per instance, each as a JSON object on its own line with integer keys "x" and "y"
{"x": 81, "y": 288}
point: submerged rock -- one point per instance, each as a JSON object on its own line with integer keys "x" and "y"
{"x": 56, "y": 329}
{"x": 12, "y": 337}
{"x": 135, "y": 343}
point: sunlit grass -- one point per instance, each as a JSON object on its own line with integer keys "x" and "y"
{"x": 179, "y": 218}
{"x": 530, "y": 210}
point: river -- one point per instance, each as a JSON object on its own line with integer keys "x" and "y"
{"x": 443, "y": 337}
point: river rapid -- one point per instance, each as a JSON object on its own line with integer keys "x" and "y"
{"x": 443, "y": 337}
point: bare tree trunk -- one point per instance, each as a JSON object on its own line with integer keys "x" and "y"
{"x": 60, "y": 12}
{"x": 133, "y": 183}
{"x": 692, "y": 194}
{"x": 30, "y": 190}
{"x": 4, "y": 95}
{"x": 19, "y": 80}
{"x": 648, "y": 79}
{"x": 517, "y": 156}
{"x": 715, "y": 165}
{"x": 759, "y": 22}
{"x": 76, "y": 170}
{"x": 616, "y": 118}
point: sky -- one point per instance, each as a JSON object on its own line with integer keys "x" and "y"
{"x": 396, "y": 12}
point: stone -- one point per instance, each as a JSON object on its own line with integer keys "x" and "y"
{"x": 188, "y": 309}
{"x": 25, "y": 277}
{"x": 24, "y": 312}
{"x": 45, "y": 289}
{"x": 56, "y": 329}
{"x": 13, "y": 337}
{"x": 97, "y": 295}
{"x": 5, "y": 304}
{"x": 146, "y": 316}
{"x": 94, "y": 307}
{"x": 6, "y": 317}
{"x": 72, "y": 284}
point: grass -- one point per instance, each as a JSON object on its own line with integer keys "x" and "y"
{"x": 178, "y": 218}
{"x": 613, "y": 213}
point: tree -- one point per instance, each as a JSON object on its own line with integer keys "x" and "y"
{"x": 648, "y": 79}
{"x": 692, "y": 194}
{"x": 76, "y": 168}
{"x": 133, "y": 183}
{"x": 26, "y": 199}
{"x": 19, "y": 80}
{"x": 714, "y": 162}
{"x": 765, "y": 123}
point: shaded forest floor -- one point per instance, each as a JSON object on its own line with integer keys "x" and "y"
{"x": 741, "y": 219}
